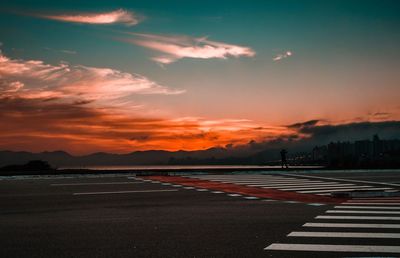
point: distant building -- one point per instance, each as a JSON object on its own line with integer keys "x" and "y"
{"x": 362, "y": 153}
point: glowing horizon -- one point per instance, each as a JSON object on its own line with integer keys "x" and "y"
{"x": 156, "y": 76}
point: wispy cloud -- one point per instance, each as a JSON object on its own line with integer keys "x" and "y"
{"x": 64, "y": 51}
{"x": 178, "y": 47}
{"x": 282, "y": 55}
{"x": 35, "y": 79}
{"x": 118, "y": 16}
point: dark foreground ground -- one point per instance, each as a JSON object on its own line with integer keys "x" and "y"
{"x": 123, "y": 217}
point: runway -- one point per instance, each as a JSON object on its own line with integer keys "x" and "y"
{"x": 128, "y": 216}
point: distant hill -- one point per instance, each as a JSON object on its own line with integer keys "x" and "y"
{"x": 153, "y": 157}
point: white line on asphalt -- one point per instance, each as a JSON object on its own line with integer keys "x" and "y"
{"x": 251, "y": 198}
{"x": 344, "y": 234}
{"x": 350, "y": 225}
{"x": 234, "y": 195}
{"x": 121, "y": 192}
{"x": 367, "y": 207}
{"x": 188, "y": 188}
{"x": 343, "y": 190}
{"x": 361, "y": 212}
{"x": 296, "y": 184}
{"x": 343, "y": 180}
{"x": 107, "y": 183}
{"x": 323, "y": 187}
{"x": 358, "y": 217}
{"x": 371, "y": 203}
{"x": 264, "y": 181}
{"x": 202, "y": 190}
{"x": 335, "y": 248}
{"x": 217, "y": 192}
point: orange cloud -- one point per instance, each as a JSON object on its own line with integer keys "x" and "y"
{"x": 117, "y": 16}
{"x": 177, "y": 47}
{"x": 38, "y": 125}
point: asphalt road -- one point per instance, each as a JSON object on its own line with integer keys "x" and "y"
{"x": 124, "y": 217}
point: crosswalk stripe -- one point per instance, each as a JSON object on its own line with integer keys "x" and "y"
{"x": 335, "y": 248}
{"x": 343, "y": 234}
{"x": 367, "y": 207}
{"x": 301, "y": 185}
{"x": 358, "y": 217}
{"x": 370, "y": 203}
{"x": 351, "y": 225}
{"x": 343, "y": 190}
{"x": 319, "y": 187}
{"x": 263, "y": 181}
{"x": 362, "y": 212}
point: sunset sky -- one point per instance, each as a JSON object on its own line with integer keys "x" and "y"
{"x": 121, "y": 76}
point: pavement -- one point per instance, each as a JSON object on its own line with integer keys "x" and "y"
{"x": 128, "y": 216}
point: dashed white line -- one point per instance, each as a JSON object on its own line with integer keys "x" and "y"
{"x": 122, "y": 192}
{"x": 106, "y": 183}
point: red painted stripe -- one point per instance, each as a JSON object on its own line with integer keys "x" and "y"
{"x": 246, "y": 190}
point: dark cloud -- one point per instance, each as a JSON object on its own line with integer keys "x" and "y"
{"x": 304, "y": 124}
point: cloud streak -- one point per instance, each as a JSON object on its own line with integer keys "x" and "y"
{"x": 178, "y": 47}
{"x": 118, "y": 16}
{"x": 32, "y": 79}
{"x": 283, "y": 56}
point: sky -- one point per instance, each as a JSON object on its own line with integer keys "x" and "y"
{"x": 122, "y": 76}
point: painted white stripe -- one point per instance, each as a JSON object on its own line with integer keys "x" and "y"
{"x": 344, "y": 180}
{"x": 251, "y": 198}
{"x": 358, "y": 217}
{"x": 122, "y": 192}
{"x": 108, "y": 183}
{"x": 202, "y": 190}
{"x": 370, "y": 203}
{"x": 335, "y": 248}
{"x": 344, "y": 189}
{"x": 362, "y": 212}
{"x": 217, "y": 192}
{"x": 188, "y": 188}
{"x": 367, "y": 207}
{"x": 297, "y": 184}
{"x": 263, "y": 181}
{"x": 343, "y": 234}
{"x": 378, "y": 200}
{"x": 177, "y": 185}
{"x": 234, "y": 195}
{"x": 350, "y": 225}
{"x": 319, "y": 187}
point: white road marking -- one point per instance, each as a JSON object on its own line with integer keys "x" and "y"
{"x": 335, "y": 248}
{"x": 202, "y": 190}
{"x": 188, "y": 188}
{"x": 234, "y": 195}
{"x": 358, "y": 217}
{"x": 320, "y": 187}
{"x": 217, "y": 192}
{"x": 251, "y": 198}
{"x": 350, "y": 225}
{"x": 362, "y": 212}
{"x": 277, "y": 185}
{"x": 343, "y": 180}
{"x": 121, "y": 192}
{"x": 343, "y": 234}
{"x": 107, "y": 183}
{"x": 343, "y": 190}
{"x": 370, "y": 203}
{"x": 367, "y": 207}
{"x": 264, "y": 181}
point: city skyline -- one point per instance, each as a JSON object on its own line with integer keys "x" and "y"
{"x": 118, "y": 77}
